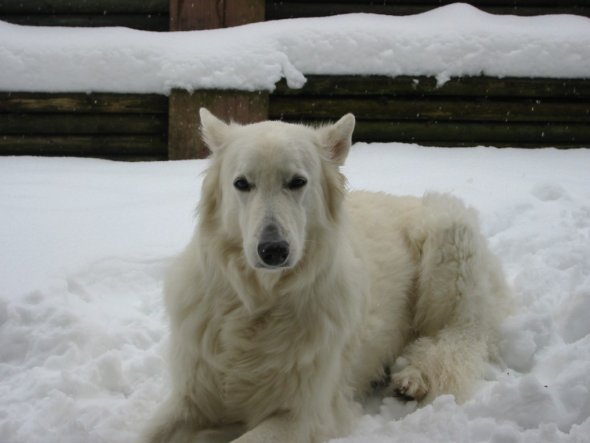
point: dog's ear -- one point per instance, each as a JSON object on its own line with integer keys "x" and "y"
{"x": 213, "y": 130}
{"x": 337, "y": 138}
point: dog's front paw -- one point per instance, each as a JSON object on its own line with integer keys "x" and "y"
{"x": 409, "y": 383}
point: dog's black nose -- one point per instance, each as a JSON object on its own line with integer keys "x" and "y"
{"x": 273, "y": 253}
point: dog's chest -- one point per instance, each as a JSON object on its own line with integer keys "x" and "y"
{"x": 261, "y": 361}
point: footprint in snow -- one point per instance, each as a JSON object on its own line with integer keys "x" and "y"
{"x": 548, "y": 192}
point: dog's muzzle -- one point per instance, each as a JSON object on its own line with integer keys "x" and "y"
{"x": 273, "y": 250}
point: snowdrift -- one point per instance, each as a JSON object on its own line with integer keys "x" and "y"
{"x": 85, "y": 244}
{"x": 455, "y": 40}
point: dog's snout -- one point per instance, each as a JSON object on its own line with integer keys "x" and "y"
{"x": 274, "y": 253}
{"x": 273, "y": 250}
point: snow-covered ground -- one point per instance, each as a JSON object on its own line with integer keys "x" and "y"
{"x": 85, "y": 244}
{"x": 450, "y": 41}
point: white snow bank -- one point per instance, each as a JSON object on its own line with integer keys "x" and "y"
{"x": 454, "y": 40}
{"x": 85, "y": 244}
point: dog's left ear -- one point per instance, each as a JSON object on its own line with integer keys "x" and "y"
{"x": 213, "y": 130}
{"x": 337, "y": 138}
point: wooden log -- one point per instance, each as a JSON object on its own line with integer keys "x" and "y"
{"x": 184, "y": 139}
{"x": 212, "y": 14}
{"x": 473, "y": 133}
{"x": 520, "y": 145}
{"x": 83, "y": 6}
{"x": 190, "y": 15}
{"x": 83, "y": 124}
{"x": 145, "y": 22}
{"x": 434, "y": 133}
{"x": 405, "y": 86}
{"x": 287, "y": 10}
{"x": 84, "y": 146}
{"x": 277, "y": 10}
{"x": 241, "y": 12}
{"x": 388, "y": 108}
{"x": 32, "y": 102}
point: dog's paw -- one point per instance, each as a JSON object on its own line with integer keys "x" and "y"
{"x": 409, "y": 383}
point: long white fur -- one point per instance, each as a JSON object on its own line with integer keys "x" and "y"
{"x": 373, "y": 281}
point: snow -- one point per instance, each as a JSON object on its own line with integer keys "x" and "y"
{"x": 85, "y": 245}
{"x": 455, "y": 40}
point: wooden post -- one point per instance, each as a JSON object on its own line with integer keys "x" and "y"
{"x": 184, "y": 140}
{"x": 188, "y": 15}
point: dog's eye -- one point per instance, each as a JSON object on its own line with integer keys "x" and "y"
{"x": 297, "y": 182}
{"x": 241, "y": 184}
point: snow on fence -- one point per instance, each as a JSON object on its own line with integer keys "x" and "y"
{"x": 437, "y": 97}
{"x": 155, "y": 15}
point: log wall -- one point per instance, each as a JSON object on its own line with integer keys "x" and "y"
{"x": 150, "y": 15}
{"x": 280, "y": 9}
{"x": 520, "y": 112}
{"x": 118, "y": 126}
{"x": 466, "y": 111}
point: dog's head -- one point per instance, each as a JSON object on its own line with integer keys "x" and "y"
{"x": 271, "y": 184}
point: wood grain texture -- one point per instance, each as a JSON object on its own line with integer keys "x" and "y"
{"x": 188, "y": 15}
{"x": 83, "y": 6}
{"x": 144, "y": 22}
{"x": 470, "y": 111}
{"x": 392, "y": 108}
{"x": 83, "y": 124}
{"x": 435, "y": 133}
{"x": 282, "y": 9}
{"x": 184, "y": 139}
{"x": 33, "y": 102}
{"x": 419, "y": 86}
{"x": 94, "y": 145}
{"x": 474, "y": 133}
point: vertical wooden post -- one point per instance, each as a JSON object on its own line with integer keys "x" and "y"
{"x": 188, "y": 15}
{"x": 184, "y": 140}
{"x": 240, "y": 12}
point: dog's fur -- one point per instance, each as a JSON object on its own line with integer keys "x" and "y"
{"x": 282, "y": 347}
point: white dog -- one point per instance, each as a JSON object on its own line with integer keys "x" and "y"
{"x": 294, "y": 296}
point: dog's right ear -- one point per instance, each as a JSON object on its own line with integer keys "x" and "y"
{"x": 337, "y": 138}
{"x": 213, "y": 130}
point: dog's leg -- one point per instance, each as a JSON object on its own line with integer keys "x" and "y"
{"x": 458, "y": 305}
{"x": 176, "y": 421}
{"x": 447, "y": 363}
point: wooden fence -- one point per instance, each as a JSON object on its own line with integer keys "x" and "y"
{"x": 121, "y": 126}
{"x": 151, "y": 15}
{"x": 463, "y": 112}
{"x": 279, "y": 9}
